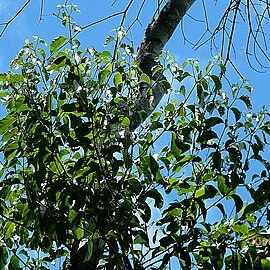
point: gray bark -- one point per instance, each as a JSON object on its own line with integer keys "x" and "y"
{"x": 156, "y": 36}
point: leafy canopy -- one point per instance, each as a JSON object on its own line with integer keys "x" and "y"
{"x": 191, "y": 183}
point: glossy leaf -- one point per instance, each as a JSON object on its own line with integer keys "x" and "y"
{"x": 145, "y": 79}
{"x": 117, "y": 80}
{"x": 57, "y": 43}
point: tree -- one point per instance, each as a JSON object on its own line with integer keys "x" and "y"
{"x": 95, "y": 171}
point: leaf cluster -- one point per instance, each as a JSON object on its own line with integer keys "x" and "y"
{"x": 74, "y": 172}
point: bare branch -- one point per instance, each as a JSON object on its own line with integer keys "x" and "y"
{"x": 255, "y": 17}
{"x": 6, "y": 24}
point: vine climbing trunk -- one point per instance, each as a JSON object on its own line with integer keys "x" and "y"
{"x": 157, "y": 34}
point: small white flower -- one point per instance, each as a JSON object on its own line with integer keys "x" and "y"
{"x": 224, "y": 95}
{"x": 16, "y": 237}
{"x": 77, "y": 87}
{"x": 77, "y": 58}
{"x": 128, "y": 50}
{"x": 26, "y": 50}
{"x": 91, "y": 51}
{"x": 77, "y": 28}
{"x": 151, "y": 100}
{"x": 122, "y": 134}
{"x": 173, "y": 69}
{"x": 244, "y": 249}
{"x": 83, "y": 242}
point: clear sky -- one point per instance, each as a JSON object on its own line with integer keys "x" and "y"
{"x": 27, "y": 25}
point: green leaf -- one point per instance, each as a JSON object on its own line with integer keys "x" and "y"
{"x": 210, "y": 192}
{"x": 241, "y": 228}
{"x": 206, "y": 136}
{"x": 209, "y": 66}
{"x": 145, "y": 79}
{"x": 3, "y": 77}
{"x": 246, "y": 100}
{"x": 60, "y": 59}
{"x": 89, "y": 251}
{"x": 266, "y": 128}
{"x": 141, "y": 238}
{"x": 217, "y": 82}
{"x": 72, "y": 214}
{"x": 265, "y": 264}
{"x": 42, "y": 52}
{"x": 5, "y": 123}
{"x": 155, "y": 194}
{"x": 238, "y": 203}
{"x": 222, "y": 68}
{"x": 15, "y": 78}
{"x": 170, "y": 107}
{"x": 212, "y": 121}
{"x": 69, "y": 107}
{"x": 156, "y": 125}
{"x": 79, "y": 233}
{"x": 103, "y": 75}
{"x": 108, "y": 40}
{"x": 126, "y": 121}
{"x": 222, "y": 187}
{"x": 204, "y": 84}
{"x": 156, "y": 69}
{"x": 183, "y": 90}
{"x": 3, "y": 257}
{"x": 117, "y": 80}
{"x": 65, "y": 20}
{"x": 260, "y": 143}
{"x": 57, "y": 43}
{"x": 145, "y": 211}
{"x": 237, "y": 113}
{"x": 165, "y": 84}
{"x": 14, "y": 263}
{"x": 8, "y": 229}
{"x": 200, "y": 192}
{"x": 106, "y": 55}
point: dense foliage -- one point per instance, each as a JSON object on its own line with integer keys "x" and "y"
{"x": 189, "y": 187}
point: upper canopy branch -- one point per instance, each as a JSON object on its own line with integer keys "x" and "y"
{"x": 157, "y": 34}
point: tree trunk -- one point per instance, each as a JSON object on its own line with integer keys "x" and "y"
{"x": 156, "y": 36}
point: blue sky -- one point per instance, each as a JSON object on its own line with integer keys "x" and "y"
{"x": 28, "y": 25}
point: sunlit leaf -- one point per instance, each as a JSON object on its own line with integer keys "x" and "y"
{"x": 145, "y": 79}
{"x": 126, "y": 121}
{"x": 5, "y": 123}
{"x": 57, "y": 43}
{"x": 117, "y": 80}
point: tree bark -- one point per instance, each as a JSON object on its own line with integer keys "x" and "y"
{"x": 156, "y": 36}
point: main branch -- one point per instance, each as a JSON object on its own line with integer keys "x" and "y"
{"x": 156, "y": 36}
